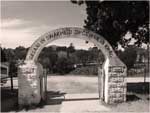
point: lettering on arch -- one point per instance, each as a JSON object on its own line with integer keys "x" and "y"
{"x": 68, "y": 32}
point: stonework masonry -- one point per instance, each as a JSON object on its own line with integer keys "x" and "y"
{"x": 29, "y": 83}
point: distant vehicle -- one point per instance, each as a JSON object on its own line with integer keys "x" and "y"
{"x": 4, "y": 73}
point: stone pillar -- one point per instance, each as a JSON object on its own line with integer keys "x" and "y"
{"x": 29, "y": 83}
{"x": 115, "y": 83}
{"x": 101, "y": 83}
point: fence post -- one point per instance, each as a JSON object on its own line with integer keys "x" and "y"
{"x": 45, "y": 82}
{"x": 11, "y": 80}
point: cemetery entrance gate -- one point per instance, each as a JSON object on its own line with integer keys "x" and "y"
{"x": 30, "y": 74}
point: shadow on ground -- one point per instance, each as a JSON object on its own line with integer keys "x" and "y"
{"x": 54, "y": 97}
{"x": 78, "y": 99}
{"x": 141, "y": 88}
{"x": 136, "y": 91}
{"x": 9, "y": 99}
{"x": 57, "y": 97}
{"x": 132, "y": 97}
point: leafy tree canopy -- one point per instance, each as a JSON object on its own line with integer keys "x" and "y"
{"x": 128, "y": 56}
{"x": 113, "y": 19}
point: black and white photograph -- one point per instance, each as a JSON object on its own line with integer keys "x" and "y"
{"x": 75, "y": 56}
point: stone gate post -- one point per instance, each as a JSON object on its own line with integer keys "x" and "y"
{"x": 29, "y": 83}
{"x": 115, "y": 83}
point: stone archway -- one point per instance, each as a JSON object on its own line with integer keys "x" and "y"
{"x": 30, "y": 73}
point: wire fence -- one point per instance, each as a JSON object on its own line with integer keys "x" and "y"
{"x": 139, "y": 70}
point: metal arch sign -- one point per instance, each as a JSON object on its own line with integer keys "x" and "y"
{"x": 67, "y": 32}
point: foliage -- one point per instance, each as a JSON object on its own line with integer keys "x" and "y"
{"x": 20, "y": 52}
{"x": 70, "y": 49}
{"x": 10, "y": 57}
{"x": 48, "y": 58}
{"x": 82, "y": 56}
{"x": 113, "y": 19}
{"x": 3, "y": 55}
{"x": 56, "y": 60}
{"x": 63, "y": 64}
{"x": 128, "y": 56}
{"x": 95, "y": 55}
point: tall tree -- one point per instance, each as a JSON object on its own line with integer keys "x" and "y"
{"x": 113, "y": 19}
{"x": 128, "y": 56}
{"x": 20, "y": 52}
{"x": 83, "y": 56}
{"x": 3, "y": 55}
{"x": 70, "y": 49}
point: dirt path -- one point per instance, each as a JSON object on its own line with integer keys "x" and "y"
{"x": 72, "y": 84}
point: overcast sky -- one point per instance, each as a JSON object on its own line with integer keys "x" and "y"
{"x": 24, "y": 21}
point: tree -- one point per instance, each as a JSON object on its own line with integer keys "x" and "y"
{"x": 20, "y": 52}
{"x": 62, "y": 65}
{"x": 3, "y": 55}
{"x": 113, "y": 19}
{"x": 83, "y": 56}
{"x": 128, "y": 56}
{"x": 50, "y": 55}
{"x": 95, "y": 55}
{"x": 70, "y": 49}
{"x": 12, "y": 60}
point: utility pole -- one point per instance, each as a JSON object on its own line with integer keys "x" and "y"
{"x": 146, "y": 73}
{"x": 11, "y": 80}
{"x": 148, "y": 58}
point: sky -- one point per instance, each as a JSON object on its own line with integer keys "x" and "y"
{"x": 22, "y": 22}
